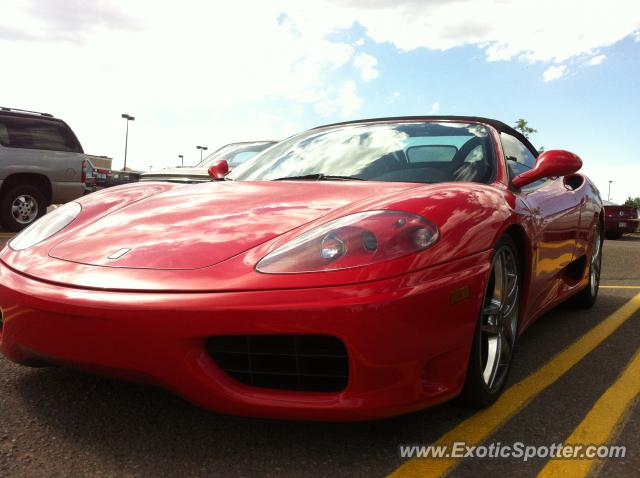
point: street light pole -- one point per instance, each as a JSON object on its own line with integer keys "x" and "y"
{"x": 609, "y": 194}
{"x": 181, "y": 159}
{"x": 201, "y": 148}
{"x": 126, "y": 138}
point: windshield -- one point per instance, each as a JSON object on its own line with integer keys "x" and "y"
{"x": 420, "y": 152}
{"x": 234, "y": 153}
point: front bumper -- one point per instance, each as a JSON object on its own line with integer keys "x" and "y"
{"x": 408, "y": 338}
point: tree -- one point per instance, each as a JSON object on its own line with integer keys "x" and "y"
{"x": 633, "y": 202}
{"x": 522, "y": 125}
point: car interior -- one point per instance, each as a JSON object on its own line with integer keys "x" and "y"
{"x": 471, "y": 163}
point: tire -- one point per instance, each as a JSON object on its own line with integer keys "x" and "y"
{"x": 496, "y": 329}
{"x": 20, "y": 206}
{"x": 587, "y": 297}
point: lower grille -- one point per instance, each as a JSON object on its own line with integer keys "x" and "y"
{"x": 316, "y": 363}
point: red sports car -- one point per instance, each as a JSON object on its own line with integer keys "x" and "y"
{"x": 353, "y": 271}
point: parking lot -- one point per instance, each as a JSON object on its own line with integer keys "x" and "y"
{"x": 58, "y": 422}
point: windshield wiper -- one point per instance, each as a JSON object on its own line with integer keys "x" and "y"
{"x": 320, "y": 177}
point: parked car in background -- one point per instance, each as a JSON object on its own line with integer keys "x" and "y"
{"x": 116, "y": 178}
{"x": 619, "y": 220}
{"x": 41, "y": 163}
{"x": 98, "y": 172}
{"x": 234, "y": 153}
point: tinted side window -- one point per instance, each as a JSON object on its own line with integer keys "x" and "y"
{"x": 37, "y": 134}
{"x": 519, "y": 158}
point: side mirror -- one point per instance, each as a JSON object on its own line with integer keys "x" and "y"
{"x": 219, "y": 169}
{"x": 555, "y": 162}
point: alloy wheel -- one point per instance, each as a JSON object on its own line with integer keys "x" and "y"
{"x": 500, "y": 318}
{"x": 24, "y": 209}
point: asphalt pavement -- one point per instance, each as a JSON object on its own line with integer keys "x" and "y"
{"x": 572, "y": 381}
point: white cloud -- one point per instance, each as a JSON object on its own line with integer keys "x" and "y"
{"x": 596, "y": 60}
{"x": 637, "y": 35}
{"x": 63, "y": 20}
{"x": 187, "y": 82}
{"x": 554, "y": 72}
{"x": 367, "y": 65}
{"x": 196, "y": 70}
{"x": 544, "y": 30}
{"x": 434, "y": 108}
{"x": 396, "y": 94}
{"x": 344, "y": 101}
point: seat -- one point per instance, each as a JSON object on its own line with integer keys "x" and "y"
{"x": 385, "y": 164}
{"x": 464, "y": 167}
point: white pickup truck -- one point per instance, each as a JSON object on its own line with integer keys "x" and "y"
{"x": 41, "y": 163}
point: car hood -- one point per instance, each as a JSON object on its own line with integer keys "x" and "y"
{"x": 201, "y": 225}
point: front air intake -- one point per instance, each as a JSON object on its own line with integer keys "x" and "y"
{"x": 317, "y": 363}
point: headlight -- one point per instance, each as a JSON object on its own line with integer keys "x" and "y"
{"x": 46, "y": 226}
{"x": 352, "y": 241}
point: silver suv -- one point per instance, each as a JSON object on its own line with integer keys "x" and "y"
{"x": 41, "y": 163}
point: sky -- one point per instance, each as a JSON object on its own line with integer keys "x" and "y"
{"x": 210, "y": 72}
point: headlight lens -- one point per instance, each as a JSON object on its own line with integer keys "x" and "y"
{"x": 352, "y": 241}
{"x": 46, "y": 226}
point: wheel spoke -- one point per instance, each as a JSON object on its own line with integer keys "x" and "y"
{"x": 513, "y": 287}
{"x": 511, "y": 301}
{"x": 493, "y": 359}
{"x": 492, "y": 309}
{"x": 490, "y": 329}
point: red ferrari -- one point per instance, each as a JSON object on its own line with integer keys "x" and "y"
{"x": 354, "y": 271}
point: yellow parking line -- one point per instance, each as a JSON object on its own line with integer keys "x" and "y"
{"x": 480, "y": 426}
{"x": 600, "y": 424}
{"x": 620, "y": 286}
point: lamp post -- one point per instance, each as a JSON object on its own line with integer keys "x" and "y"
{"x": 609, "y": 194}
{"x": 181, "y": 159}
{"x": 201, "y": 148}
{"x": 126, "y": 138}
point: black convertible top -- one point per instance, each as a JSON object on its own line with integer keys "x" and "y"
{"x": 498, "y": 125}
